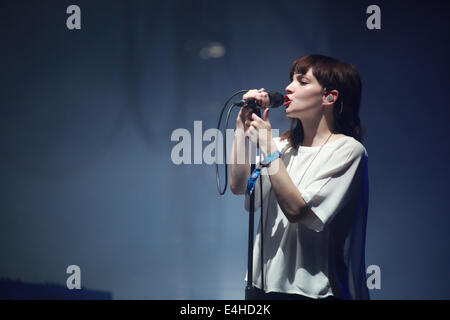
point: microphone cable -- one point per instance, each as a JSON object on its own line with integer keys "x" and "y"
{"x": 224, "y": 143}
{"x": 226, "y": 175}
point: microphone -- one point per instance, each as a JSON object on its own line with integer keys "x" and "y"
{"x": 276, "y": 99}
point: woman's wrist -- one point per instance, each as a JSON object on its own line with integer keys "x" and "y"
{"x": 271, "y": 148}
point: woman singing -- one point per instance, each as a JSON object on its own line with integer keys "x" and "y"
{"x": 314, "y": 185}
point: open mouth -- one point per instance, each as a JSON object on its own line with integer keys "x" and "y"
{"x": 287, "y": 101}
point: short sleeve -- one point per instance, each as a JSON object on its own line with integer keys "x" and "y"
{"x": 331, "y": 187}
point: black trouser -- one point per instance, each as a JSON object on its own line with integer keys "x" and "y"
{"x": 258, "y": 294}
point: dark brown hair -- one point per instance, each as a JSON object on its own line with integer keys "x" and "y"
{"x": 331, "y": 74}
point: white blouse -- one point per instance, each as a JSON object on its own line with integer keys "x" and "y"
{"x": 322, "y": 254}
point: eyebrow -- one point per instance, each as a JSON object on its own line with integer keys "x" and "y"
{"x": 304, "y": 76}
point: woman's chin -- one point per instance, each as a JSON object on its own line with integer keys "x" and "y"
{"x": 288, "y": 112}
{"x": 289, "y": 116}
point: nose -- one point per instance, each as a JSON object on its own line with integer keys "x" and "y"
{"x": 288, "y": 88}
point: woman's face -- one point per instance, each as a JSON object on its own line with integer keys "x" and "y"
{"x": 302, "y": 94}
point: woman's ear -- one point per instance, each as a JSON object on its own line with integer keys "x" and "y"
{"x": 331, "y": 96}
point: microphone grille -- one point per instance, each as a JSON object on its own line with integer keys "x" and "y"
{"x": 276, "y": 99}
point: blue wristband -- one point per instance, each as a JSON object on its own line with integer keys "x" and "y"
{"x": 270, "y": 158}
{"x": 257, "y": 172}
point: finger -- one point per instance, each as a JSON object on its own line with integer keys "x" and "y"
{"x": 266, "y": 114}
{"x": 251, "y": 94}
{"x": 253, "y": 132}
{"x": 256, "y": 118}
{"x": 263, "y": 99}
{"x": 248, "y": 112}
{"x": 254, "y": 124}
{"x": 249, "y": 132}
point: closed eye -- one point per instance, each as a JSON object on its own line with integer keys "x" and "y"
{"x": 299, "y": 79}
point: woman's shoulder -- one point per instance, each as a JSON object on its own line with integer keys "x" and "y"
{"x": 340, "y": 141}
{"x": 343, "y": 141}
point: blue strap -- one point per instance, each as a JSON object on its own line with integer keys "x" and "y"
{"x": 270, "y": 158}
{"x": 252, "y": 180}
{"x": 257, "y": 172}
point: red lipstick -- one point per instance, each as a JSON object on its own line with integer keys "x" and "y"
{"x": 287, "y": 101}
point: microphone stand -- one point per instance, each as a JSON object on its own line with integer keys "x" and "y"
{"x": 250, "y": 289}
{"x": 276, "y": 99}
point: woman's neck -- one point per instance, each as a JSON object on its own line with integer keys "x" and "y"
{"x": 317, "y": 131}
{"x": 316, "y": 134}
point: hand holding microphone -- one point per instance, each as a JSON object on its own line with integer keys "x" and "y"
{"x": 253, "y": 99}
{"x": 258, "y": 130}
{"x": 261, "y": 99}
{"x": 250, "y": 101}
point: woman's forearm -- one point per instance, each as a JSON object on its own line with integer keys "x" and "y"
{"x": 288, "y": 196}
{"x": 240, "y": 164}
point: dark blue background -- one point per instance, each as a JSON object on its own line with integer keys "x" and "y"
{"x": 86, "y": 118}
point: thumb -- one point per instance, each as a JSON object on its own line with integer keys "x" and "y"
{"x": 266, "y": 114}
